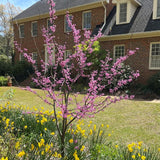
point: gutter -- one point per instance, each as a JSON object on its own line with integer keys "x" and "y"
{"x": 129, "y": 35}
{"x": 105, "y": 16}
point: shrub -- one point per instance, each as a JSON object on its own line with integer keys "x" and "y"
{"x": 22, "y": 70}
{"x": 154, "y": 83}
{"x": 5, "y": 65}
{"x": 3, "y": 81}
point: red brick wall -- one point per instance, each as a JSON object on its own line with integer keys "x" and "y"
{"x": 139, "y": 61}
{"x": 36, "y": 44}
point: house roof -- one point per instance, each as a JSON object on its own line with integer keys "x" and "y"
{"x": 141, "y": 21}
{"x": 42, "y": 7}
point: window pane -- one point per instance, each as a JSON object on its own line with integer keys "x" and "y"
{"x": 21, "y": 30}
{"x": 67, "y": 27}
{"x": 155, "y": 56}
{"x": 34, "y": 29}
{"x": 35, "y": 57}
{"x": 119, "y": 52}
{"x": 87, "y": 20}
{"x": 158, "y": 8}
{"x": 123, "y": 12}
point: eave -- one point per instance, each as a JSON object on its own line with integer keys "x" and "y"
{"x": 60, "y": 12}
{"x": 131, "y": 36}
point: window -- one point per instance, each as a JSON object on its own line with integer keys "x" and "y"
{"x": 67, "y": 54}
{"x": 21, "y": 30}
{"x": 52, "y": 48}
{"x": 119, "y": 51}
{"x": 67, "y": 28}
{"x": 123, "y": 13}
{"x": 35, "y": 57}
{"x": 155, "y": 56}
{"x": 158, "y": 8}
{"x": 86, "y": 20}
{"x": 34, "y": 29}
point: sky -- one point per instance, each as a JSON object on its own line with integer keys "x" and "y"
{"x": 23, "y": 4}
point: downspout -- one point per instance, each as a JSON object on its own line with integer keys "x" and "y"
{"x": 105, "y": 13}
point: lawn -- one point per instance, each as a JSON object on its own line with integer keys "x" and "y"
{"x": 129, "y": 121}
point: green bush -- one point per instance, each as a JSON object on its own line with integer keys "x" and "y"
{"x": 5, "y": 65}
{"x": 22, "y": 70}
{"x": 3, "y": 81}
{"x": 154, "y": 83}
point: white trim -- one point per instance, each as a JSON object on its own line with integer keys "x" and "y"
{"x": 89, "y": 11}
{"x": 130, "y": 36}
{"x": 155, "y": 10}
{"x": 32, "y": 28}
{"x": 150, "y": 54}
{"x": 20, "y": 35}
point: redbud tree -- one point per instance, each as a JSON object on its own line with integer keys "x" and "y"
{"x": 71, "y": 70}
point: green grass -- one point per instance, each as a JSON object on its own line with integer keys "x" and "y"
{"x": 130, "y": 121}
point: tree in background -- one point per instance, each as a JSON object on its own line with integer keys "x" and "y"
{"x": 7, "y": 12}
{"x": 72, "y": 69}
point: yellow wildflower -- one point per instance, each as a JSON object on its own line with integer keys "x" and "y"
{"x": 21, "y": 154}
{"x": 47, "y": 147}
{"x": 116, "y": 146}
{"x": 109, "y": 135}
{"x": 139, "y": 154}
{"x": 133, "y": 156}
{"x": 75, "y": 155}
{"x": 107, "y": 126}
{"x": 82, "y": 148}
{"x": 17, "y": 145}
{"x": 25, "y": 127}
{"x": 143, "y": 158}
{"x": 102, "y": 125}
{"x": 100, "y": 133}
{"x": 71, "y": 141}
{"x": 42, "y": 153}
{"x": 94, "y": 127}
{"x": 4, "y": 158}
{"x": 41, "y": 143}
{"x": 140, "y": 143}
{"x": 130, "y": 149}
{"x": 52, "y": 133}
{"x": 90, "y": 133}
{"x": 32, "y": 147}
{"x": 7, "y": 122}
{"x": 159, "y": 149}
{"x": 45, "y": 129}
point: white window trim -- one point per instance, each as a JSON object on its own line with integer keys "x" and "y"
{"x": 117, "y": 45}
{"x": 65, "y": 21}
{"x": 32, "y": 29}
{"x": 20, "y": 35}
{"x": 83, "y": 19}
{"x": 150, "y": 54}
{"x": 118, "y": 13}
{"x": 155, "y": 10}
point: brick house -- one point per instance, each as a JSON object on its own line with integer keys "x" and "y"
{"x": 126, "y": 24}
